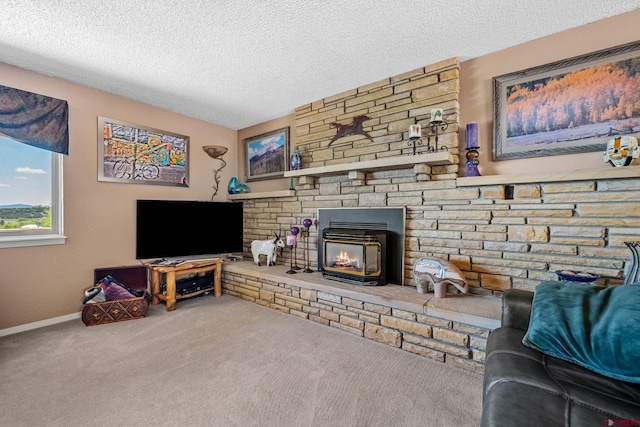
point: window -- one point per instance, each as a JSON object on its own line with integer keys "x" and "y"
{"x": 30, "y": 195}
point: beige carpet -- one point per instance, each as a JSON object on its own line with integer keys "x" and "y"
{"x": 224, "y": 362}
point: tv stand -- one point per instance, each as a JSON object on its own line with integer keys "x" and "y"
{"x": 188, "y": 267}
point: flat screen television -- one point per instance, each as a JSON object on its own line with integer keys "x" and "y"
{"x": 175, "y": 229}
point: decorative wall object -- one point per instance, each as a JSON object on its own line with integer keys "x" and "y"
{"x": 472, "y": 150}
{"x": 568, "y": 106}
{"x": 236, "y": 187}
{"x": 216, "y": 152}
{"x": 296, "y": 159}
{"x": 353, "y": 128}
{"x": 137, "y": 154}
{"x": 621, "y": 150}
{"x": 267, "y": 155}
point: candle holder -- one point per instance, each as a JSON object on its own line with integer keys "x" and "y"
{"x": 291, "y": 242}
{"x": 436, "y": 124}
{"x": 472, "y": 150}
{"x": 295, "y": 231}
{"x": 291, "y": 269}
{"x": 472, "y": 162}
{"x": 415, "y": 137}
{"x": 306, "y": 224}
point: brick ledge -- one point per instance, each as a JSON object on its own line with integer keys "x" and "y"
{"x": 474, "y": 310}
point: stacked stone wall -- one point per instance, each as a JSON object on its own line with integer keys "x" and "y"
{"x": 443, "y": 340}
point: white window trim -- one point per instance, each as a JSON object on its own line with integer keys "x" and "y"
{"x": 55, "y": 235}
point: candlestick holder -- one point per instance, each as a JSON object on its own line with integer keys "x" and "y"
{"x": 306, "y": 226}
{"x": 413, "y": 141}
{"x": 291, "y": 269}
{"x": 436, "y": 124}
{"x": 472, "y": 162}
{"x": 295, "y": 231}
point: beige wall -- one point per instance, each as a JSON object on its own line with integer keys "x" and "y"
{"x": 38, "y": 283}
{"x": 476, "y": 96}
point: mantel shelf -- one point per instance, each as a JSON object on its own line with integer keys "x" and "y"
{"x": 385, "y": 163}
{"x": 261, "y": 195}
{"x": 564, "y": 176}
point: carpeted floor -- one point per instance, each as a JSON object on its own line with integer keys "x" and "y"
{"x": 224, "y": 362}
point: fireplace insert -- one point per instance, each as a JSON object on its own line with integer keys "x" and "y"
{"x": 355, "y": 255}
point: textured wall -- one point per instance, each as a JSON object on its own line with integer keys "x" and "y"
{"x": 391, "y": 105}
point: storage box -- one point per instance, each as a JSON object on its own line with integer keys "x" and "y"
{"x": 134, "y": 278}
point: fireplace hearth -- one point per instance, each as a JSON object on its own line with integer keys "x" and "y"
{"x": 362, "y": 246}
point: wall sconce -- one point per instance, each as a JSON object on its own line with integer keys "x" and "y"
{"x": 216, "y": 152}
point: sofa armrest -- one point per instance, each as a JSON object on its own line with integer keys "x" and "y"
{"x": 516, "y": 308}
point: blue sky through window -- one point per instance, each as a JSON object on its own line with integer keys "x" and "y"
{"x": 25, "y": 174}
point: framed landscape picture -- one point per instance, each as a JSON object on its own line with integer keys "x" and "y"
{"x": 570, "y": 106}
{"x": 267, "y": 155}
{"x": 135, "y": 154}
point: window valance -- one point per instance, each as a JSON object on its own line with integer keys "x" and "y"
{"x": 34, "y": 119}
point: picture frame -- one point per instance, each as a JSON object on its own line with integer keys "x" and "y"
{"x": 267, "y": 155}
{"x": 135, "y": 154}
{"x": 571, "y": 106}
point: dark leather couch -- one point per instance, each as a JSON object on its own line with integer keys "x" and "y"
{"x": 523, "y": 387}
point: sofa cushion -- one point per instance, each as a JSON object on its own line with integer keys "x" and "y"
{"x": 591, "y": 326}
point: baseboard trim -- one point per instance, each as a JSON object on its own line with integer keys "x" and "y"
{"x": 39, "y": 324}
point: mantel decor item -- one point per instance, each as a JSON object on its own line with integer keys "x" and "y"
{"x": 353, "y": 128}
{"x": 296, "y": 159}
{"x": 235, "y": 187}
{"x": 621, "y": 151}
{"x": 267, "y": 155}
{"x": 135, "y": 154}
{"x": 472, "y": 150}
{"x": 216, "y": 152}
{"x": 291, "y": 242}
{"x": 415, "y": 137}
{"x": 436, "y": 124}
{"x": 434, "y": 274}
{"x": 306, "y": 225}
{"x": 570, "y": 106}
{"x": 294, "y": 232}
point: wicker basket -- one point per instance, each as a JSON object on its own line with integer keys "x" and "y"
{"x": 99, "y": 313}
{"x": 135, "y": 277}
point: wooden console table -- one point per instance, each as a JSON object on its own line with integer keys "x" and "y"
{"x": 190, "y": 267}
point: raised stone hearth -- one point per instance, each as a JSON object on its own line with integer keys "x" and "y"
{"x": 451, "y": 330}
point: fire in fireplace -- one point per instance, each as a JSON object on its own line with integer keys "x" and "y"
{"x": 354, "y": 255}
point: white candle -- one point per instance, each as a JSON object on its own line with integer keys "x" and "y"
{"x": 436, "y": 115}
{"x": 415, "y": 131}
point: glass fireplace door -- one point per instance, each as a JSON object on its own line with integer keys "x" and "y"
{"x": 358, "y": 259}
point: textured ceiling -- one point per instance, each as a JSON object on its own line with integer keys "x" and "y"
{"x": 237, "y": 63}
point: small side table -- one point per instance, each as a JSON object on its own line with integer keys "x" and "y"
{"x": 190, "y": 267}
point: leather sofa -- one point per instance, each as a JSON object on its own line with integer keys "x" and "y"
{"x": 523, "y": 387}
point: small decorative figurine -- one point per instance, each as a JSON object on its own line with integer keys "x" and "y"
{"x": 296, "y": 160}
{"x": 268, "y": 248}
{"x": 437, "y": 274}
{"x": 621, "y": 151}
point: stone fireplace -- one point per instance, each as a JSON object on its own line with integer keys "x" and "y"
{"x": 362, "y": 245}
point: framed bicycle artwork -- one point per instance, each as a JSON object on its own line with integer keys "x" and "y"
{"x": 135, "y": 154}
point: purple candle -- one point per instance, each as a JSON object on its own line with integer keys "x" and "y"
{"x": 472, "y": 135}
